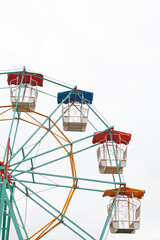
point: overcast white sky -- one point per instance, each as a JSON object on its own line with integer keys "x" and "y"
{"x": 111, "y": 48}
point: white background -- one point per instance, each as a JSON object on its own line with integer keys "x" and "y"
{"x": 111, "y": 48}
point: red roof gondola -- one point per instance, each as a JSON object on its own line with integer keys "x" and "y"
{"x": 15, "y": 78}
{"x": 118, "y": 137}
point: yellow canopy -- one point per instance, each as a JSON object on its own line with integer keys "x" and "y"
{"x": 129, "y": 192}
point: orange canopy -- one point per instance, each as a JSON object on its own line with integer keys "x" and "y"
{"x": 129, "y": 192}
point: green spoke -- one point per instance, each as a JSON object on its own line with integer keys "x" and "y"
{"x": 42, "y": 155}
{"x": 14, "y": 114}
{"x": 63, "y": 186}
{"x": 68, "y": 177}
{"x": 46, "y": 79}
{"x": 40, "y": 128}
{"x": 109, "y": 216}
{"x": 18, "y": 212}
{"x": 40, "y": 205}
{"x": 92, "y": 110}
{"x": 47, "y": 94}
{"x": 76, "y": 225}
{"x": 19, "y": 234}
{"x": 60, "y": 147}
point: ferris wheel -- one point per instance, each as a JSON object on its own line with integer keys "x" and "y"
{"x": 58, "y": 157}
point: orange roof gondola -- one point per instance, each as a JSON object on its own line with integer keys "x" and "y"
{"x": 118, "y": 137}
{"x": 129, "y": 192}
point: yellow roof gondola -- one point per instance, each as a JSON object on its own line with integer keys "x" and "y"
{"x": 129, "y": 192}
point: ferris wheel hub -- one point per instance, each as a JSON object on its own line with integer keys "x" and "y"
{"x": 4, "y": 174}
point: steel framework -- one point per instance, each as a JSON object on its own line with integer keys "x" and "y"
{"x": 22, "y": 166}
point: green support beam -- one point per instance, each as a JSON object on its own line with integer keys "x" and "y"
{"x": 48, "y": 80}
{"x": 14, "y": 219}
{"x": 67, "y": 177}
{"x": 39, "y": 129}
{"x": 7, "y": 212}
{"x": 9, "y": 216}
{"x": 55, "y": 209}
{"x": 109, "y": 216}
{"x": 2, "y": 200}
{"x": 4, "y": 221}
{"x": 63, "y": 186}
{"x": 60, "y": 147}
{"x": 59, "y": 219}
{"x": 15, "y": 134}
{"x": 19, "y": 215}
{"x": 13, "y": 118}
{"x": 115, "y": 156}
{"x": 92, "y": 110}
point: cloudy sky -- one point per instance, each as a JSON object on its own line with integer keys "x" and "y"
{"x": 107, "y": 47}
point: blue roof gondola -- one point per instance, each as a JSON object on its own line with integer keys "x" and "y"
{"x": 87, "y": 96}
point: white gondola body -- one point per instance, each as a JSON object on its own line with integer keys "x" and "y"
{"x": 26, "y": 94}
{"x": 75, "y": 116}
{"x": 125, "y": 216}
{"x": 110, "y": 156}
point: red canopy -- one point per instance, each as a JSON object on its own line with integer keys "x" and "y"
{"x": 15, "y": 78}
{"x": 118, "y": 137}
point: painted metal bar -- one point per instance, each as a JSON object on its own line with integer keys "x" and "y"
{"x": 14, "y": 112}
{"x": 68, "y": 177}
{"x": 79, "y": 140}
{"x": 93, "y": 125}
{"x": 50, "y": 213}
{"x": 4, "y": 88}
{"x": 24, "y": 160}
{"x": 32, "y": 167}
{"x": 111, "y": 164}
{"x": 2, "y": 196}
{"x": 47, "y": 94}
{"x": 19, "y": 215}
{"x": 40, "y": 127}
{"x": 58, "y": 159}
{"x": 86, "y": 148}
{"x": 42, "y": 137}
{"x": 4, "y": 220}
{"x": 9, "y": 217}
{"x": 42, "y": 165}
{"x": 6, "y": 167}
{"x": 109, "y": 216}
{"x": 55, "y": 209}
{"x": 115, "y": 156}
{"x": 74, "y": 231}
{"x": 15, "y": 132}
{"x": 64, "y": 186}
{"x": 92, "y": 109}
{"x": 23, "y": 152}
{"x": 83, "y": 116}
{"x": 65, "y": 145}
{"x": 40, "y": 205}
{"x": 24, "y": 94}
{"x": 16, "y": 102}
{"x": 62, "y": 85}
{"x": 19, "y": 234}
{"x": 2, "y": 167}
{"x": 3, "y": 73}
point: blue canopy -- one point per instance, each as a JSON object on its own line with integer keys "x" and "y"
{"x": 87, "y": 96}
